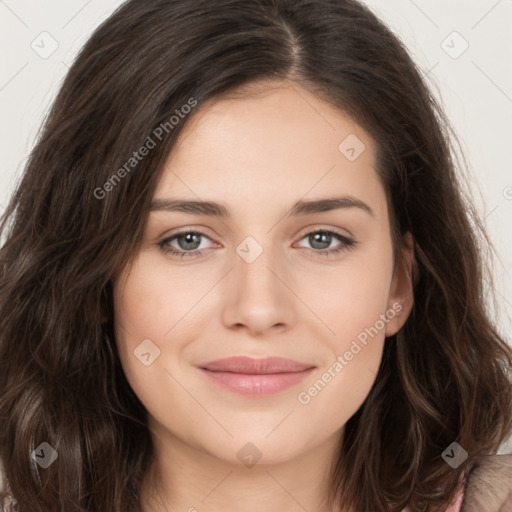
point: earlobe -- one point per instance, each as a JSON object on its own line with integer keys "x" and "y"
{"x": 401, "y": 296}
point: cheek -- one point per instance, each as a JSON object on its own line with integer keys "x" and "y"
{"x": 144, "y": 313}
{"x": 343, "y": 383}
{"x": 150, "y": 301}
{"x": 362, "y": 301}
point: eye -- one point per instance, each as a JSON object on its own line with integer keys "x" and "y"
{"x": 187, "y": 244}
{"x": 322, "y": 239}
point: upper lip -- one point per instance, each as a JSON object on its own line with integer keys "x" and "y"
{"x": 249, "y": 365}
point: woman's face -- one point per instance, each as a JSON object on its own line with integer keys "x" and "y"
{"x": 269, "y": 272}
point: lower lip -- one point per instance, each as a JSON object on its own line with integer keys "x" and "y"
{"x": 256, "y": 385}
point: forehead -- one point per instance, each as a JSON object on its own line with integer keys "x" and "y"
{"x": 271, "y": 143}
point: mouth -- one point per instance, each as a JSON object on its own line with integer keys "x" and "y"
{"x": 256, "y": 377}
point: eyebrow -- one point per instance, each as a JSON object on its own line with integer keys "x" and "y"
{"x": 214, "y": 209}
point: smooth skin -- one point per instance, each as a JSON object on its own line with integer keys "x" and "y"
{"x": 258, "y": 155}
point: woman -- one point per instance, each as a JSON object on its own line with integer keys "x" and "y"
{"x": 239, "y": 274}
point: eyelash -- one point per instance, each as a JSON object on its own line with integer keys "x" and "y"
{"x": 346, "y": 244}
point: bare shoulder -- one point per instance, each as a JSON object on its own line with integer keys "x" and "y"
{"x": 489, "y": 485}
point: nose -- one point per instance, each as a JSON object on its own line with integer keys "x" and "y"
{"x": 259, "y": 295}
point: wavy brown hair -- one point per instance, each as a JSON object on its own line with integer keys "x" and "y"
{"x": 444, "y": 376}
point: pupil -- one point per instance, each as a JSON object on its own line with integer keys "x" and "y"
{"x": 188, "y": 240}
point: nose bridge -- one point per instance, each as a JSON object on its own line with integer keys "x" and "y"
{"x": 254, "y": 263}
{"x": 258, "y": 298}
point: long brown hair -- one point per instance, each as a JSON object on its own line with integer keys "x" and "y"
{"x": 443, "y": 377}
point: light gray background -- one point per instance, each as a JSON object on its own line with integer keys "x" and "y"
{"x": 475, "y": 88}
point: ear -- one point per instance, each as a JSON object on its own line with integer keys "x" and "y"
{"x": 401, "y": 297}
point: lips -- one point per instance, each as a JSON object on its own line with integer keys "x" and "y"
{"x": 252, "y": 366}
{"x": 249, "y": 376}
